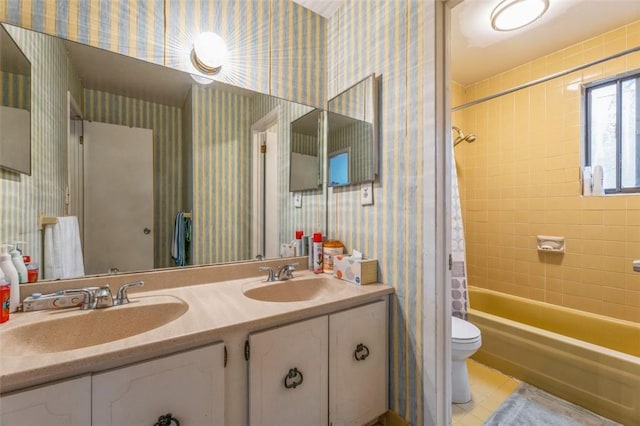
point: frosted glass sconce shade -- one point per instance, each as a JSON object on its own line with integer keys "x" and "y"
{"x": 209, "y": 53}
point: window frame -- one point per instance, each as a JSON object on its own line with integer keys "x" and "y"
{"x": 618, "y": 80}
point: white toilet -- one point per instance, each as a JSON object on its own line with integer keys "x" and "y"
{"x": 465, "y": 341}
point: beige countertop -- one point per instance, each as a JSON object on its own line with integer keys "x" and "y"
{"x": 214, "y": 310}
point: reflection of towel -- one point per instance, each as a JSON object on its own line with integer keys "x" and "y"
{"x": 181, "y": 238}
{"x": 62, "y": 250}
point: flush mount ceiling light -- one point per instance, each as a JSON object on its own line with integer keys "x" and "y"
{"x": 510, "y": 15}
{"x": 209, "y": 53}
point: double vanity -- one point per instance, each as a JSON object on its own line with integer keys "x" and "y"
{"x": 207, "y": 345}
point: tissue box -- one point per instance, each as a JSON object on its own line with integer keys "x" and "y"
{"x": 355, "y": 270}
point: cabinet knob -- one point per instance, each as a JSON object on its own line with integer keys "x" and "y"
{"x": 361, "y": 353}
{"x": 293, "y": 379}
{"x": 167, "y": 420}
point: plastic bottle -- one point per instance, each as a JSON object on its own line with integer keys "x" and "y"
{"x": 309, "y": 239}
{"x": 597, "y": 180}
{"x": 16, "y": 258}
{"x": 586, "y": 181}
{"x": 298, "y": 243}
{"x": 5, "y": 295}
{"x": 317, "y": 253}
{"x": 32, "y": 272}
{"x": 330, "y": 248}
{"x": 11, "y": 275}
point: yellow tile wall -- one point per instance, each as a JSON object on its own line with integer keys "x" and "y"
{"x": 521, "y": 178}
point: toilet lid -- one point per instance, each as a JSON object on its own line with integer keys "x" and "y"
{"x": 463, "y": 330}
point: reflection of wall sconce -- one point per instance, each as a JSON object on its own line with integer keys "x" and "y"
{"x": 209, "y": 53}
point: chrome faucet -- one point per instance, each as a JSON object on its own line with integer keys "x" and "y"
{"x": 93, "y": 298}
{"x": 285, "y": 272}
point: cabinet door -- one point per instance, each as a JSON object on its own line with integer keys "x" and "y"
{"x": 189, "y": 385}
{"x": 358, "y": 364}
{"x": 61, "y": 404}
{"x": 288, "y": 375}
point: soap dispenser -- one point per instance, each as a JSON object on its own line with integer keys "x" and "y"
{"x": 18, "y": 263}
{"x": 11, "y": 275}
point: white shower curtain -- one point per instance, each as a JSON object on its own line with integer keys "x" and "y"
{"x": 459, "y": 293}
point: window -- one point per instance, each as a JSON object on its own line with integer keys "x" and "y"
{"x": 613, "y": 131}
{"x": 339, "y": 168}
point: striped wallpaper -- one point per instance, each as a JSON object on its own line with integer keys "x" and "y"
{"x": 275, "y": 47}
{"x": 304, "y": 144}
{"x": 221, "y": 175}
{"x": 24, "y": 197}
{"x": 15, "y": 90}
{"x": 357, "y": 138}
{"x": 385, "y": 38}
{"x": 168, "y": 168}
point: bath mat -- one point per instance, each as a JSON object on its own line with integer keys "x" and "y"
{"x": 530, "y": 406}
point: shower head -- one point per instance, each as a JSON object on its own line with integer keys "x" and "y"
{"x": 462, "y": 137}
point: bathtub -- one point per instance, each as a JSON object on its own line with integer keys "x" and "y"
{"x": 588, "y": 359}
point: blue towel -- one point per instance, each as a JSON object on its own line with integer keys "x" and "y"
{"x": 181, "y": 238}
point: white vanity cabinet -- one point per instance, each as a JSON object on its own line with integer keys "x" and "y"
{"x": 65, "y": 403}
{"x": 288, "y": 374}
{"x": 189, "y": 386}
{"x": 330, "y": 370}
{"x": 358, "y": 364}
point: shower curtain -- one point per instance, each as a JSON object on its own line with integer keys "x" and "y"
{"x": 459, "y": 293}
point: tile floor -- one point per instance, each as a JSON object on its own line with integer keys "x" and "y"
{"x": 489, "y": 389}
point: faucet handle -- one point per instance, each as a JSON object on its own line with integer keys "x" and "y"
{"x": 272, "y": 273}
{"x": 122, "y": 297}
{"x": 287, "y": 270}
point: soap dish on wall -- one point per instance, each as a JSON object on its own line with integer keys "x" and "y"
{"x": 550, "y": 244}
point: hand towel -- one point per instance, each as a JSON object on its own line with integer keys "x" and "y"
{"x": 62, "y": 249}
{"x": 178, "y": 250}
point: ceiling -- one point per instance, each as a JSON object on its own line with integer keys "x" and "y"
{"x": 478, "y": 52}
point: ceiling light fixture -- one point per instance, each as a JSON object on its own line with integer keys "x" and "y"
{"x": 209, "y": 53}
{"x": 511, "y": 15}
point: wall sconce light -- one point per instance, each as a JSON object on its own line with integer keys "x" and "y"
{"x": 511, "y": 15}
{"x": 209, "y": 53}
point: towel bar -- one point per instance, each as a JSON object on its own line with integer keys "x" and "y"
{"x": 46, "y": 220}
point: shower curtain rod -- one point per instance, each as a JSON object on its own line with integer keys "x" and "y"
{"x": 547, "y": 78}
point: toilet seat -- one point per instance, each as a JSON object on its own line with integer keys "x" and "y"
{"x": 463, "y": 331}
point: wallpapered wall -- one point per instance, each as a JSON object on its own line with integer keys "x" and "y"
{"x": 24, "y": 197}
{"x": 15, "y": 90}
{"x": 521, "y": 178}
{"x": 386, "y": 38}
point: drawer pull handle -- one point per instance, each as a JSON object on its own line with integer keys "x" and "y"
{"x": 293, "y": 379}
{"x": 167, "y": 420}
{"x": 361, "y": 353}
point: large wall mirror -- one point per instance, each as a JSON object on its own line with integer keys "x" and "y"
{"x": 15, "y": 106}
{"x": 352, "y": 140}
{"x": 199, "y": 160}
